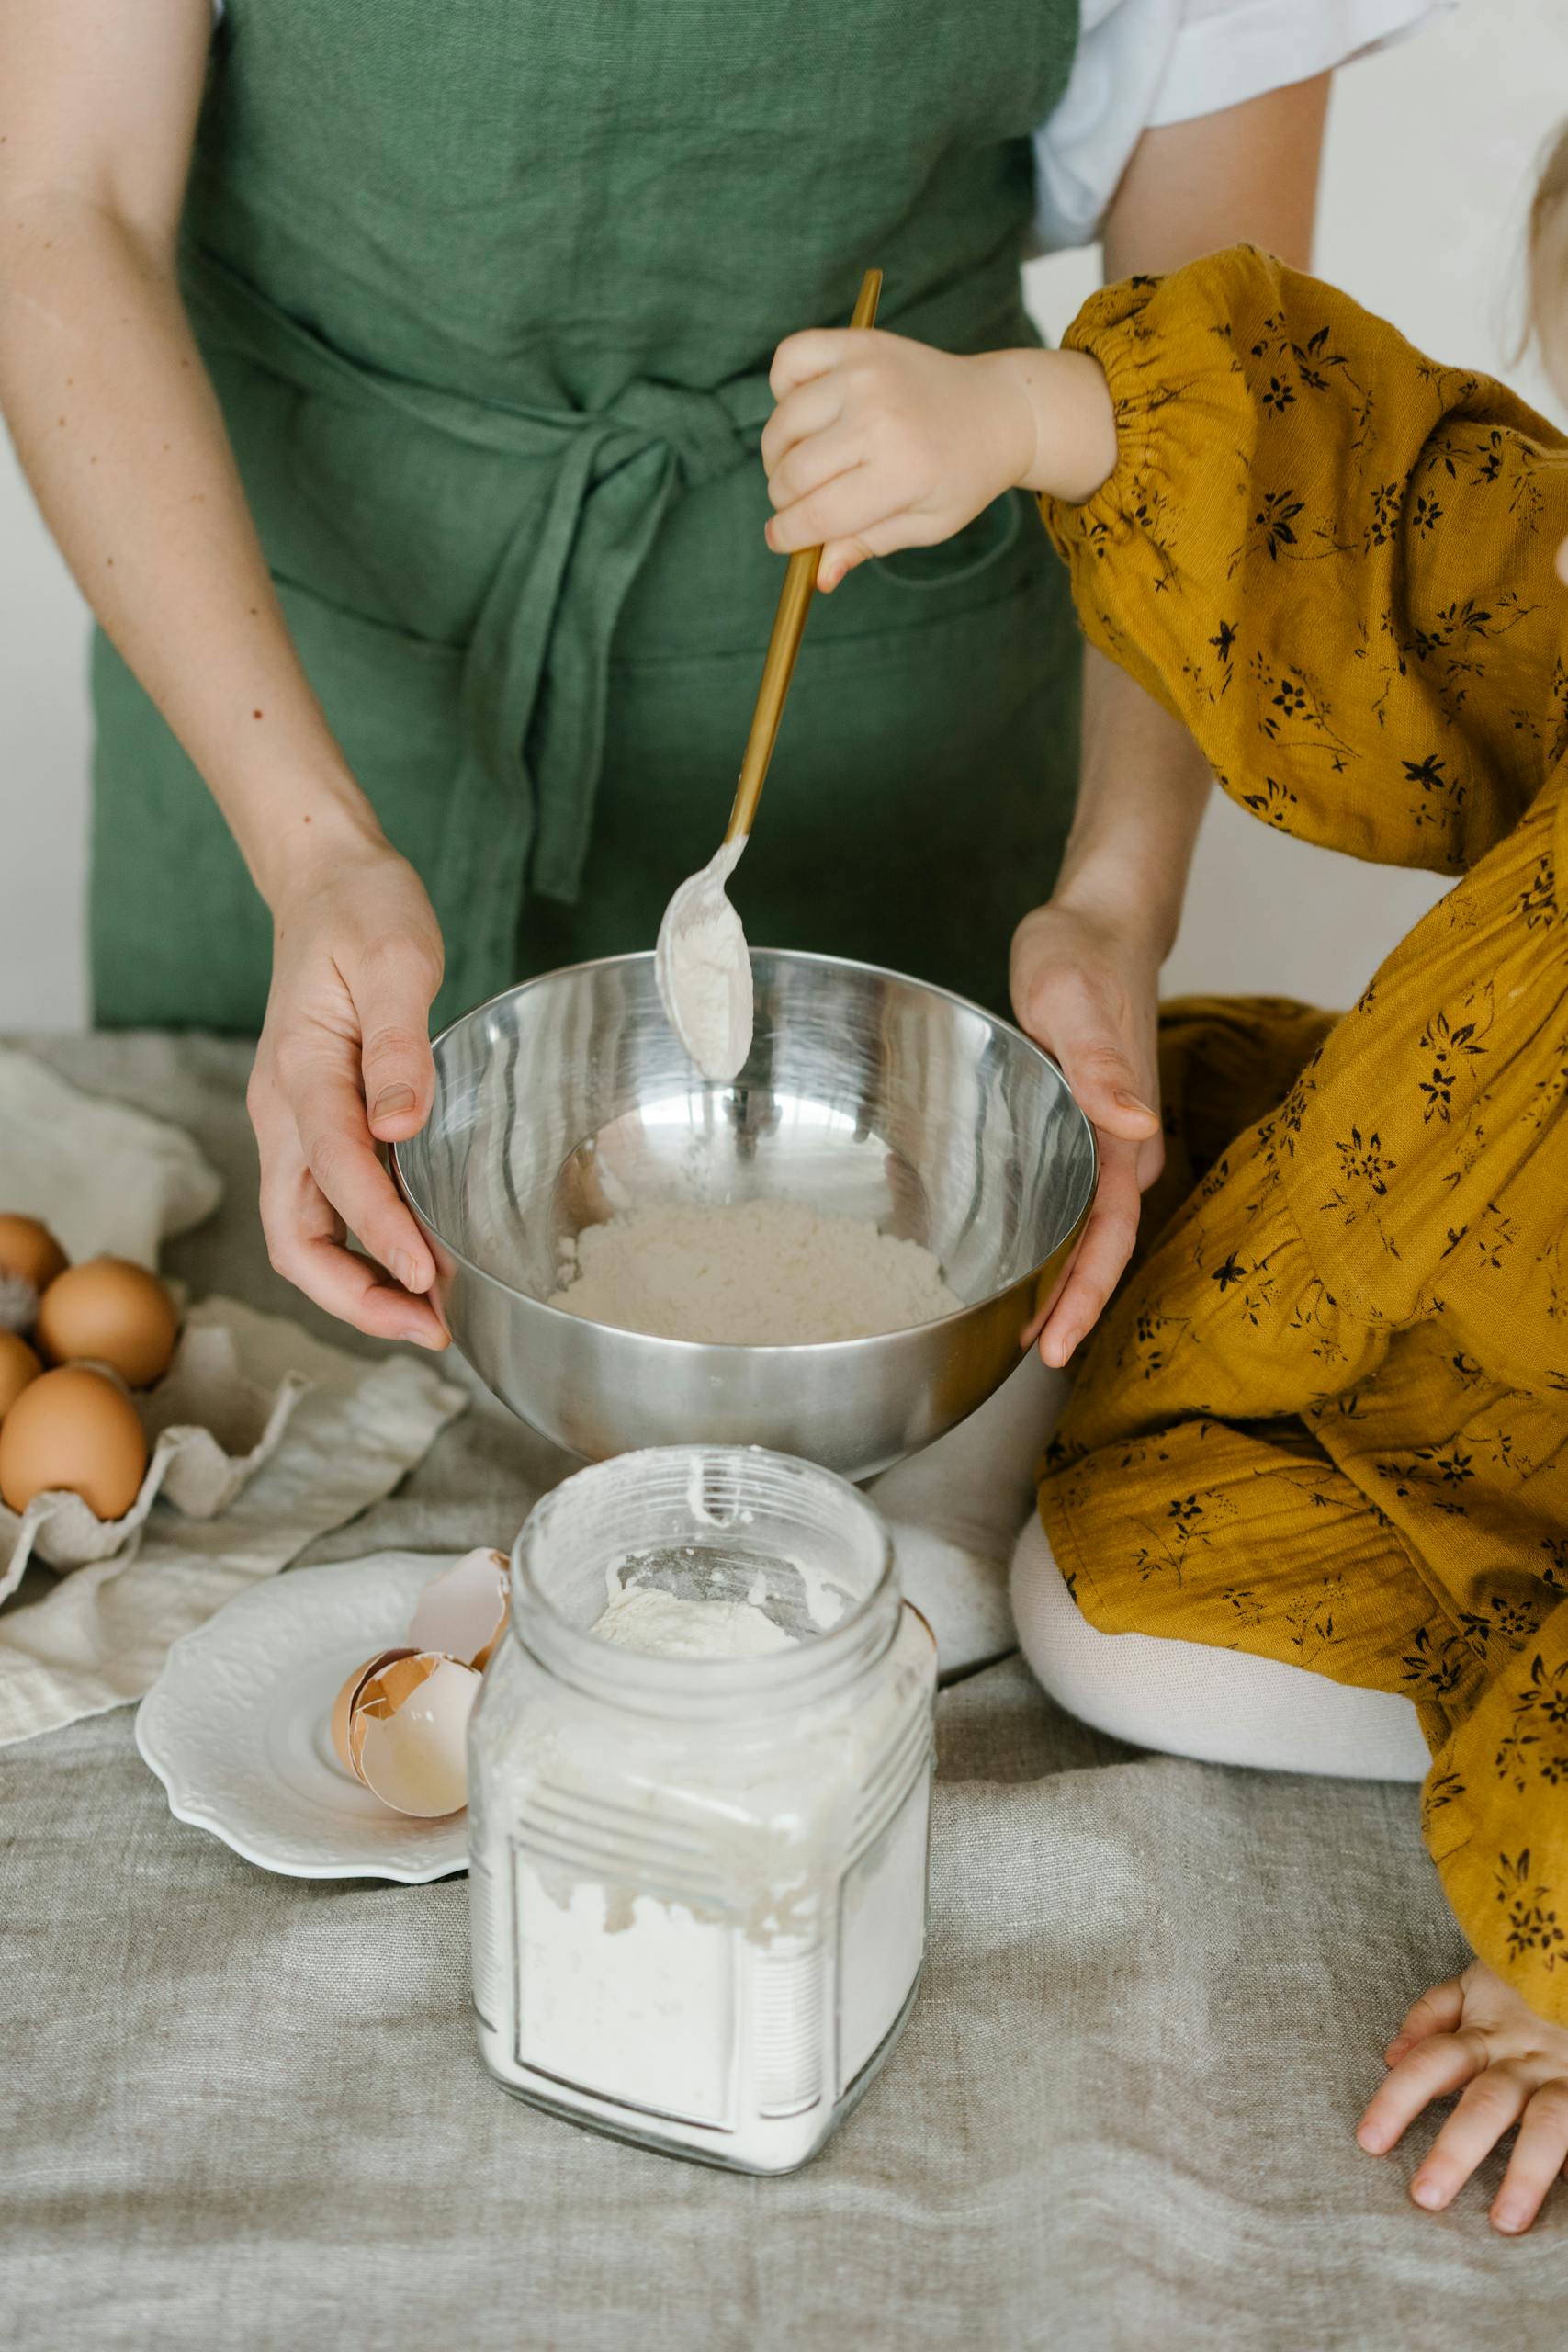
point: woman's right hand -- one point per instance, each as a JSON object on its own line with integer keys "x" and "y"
{"x": 344, "y": 1064}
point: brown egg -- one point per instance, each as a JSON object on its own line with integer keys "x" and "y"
{"x": 29, "y": 1251}
{"x": 19, "y": 1365}
{"x": 109, "y": 1311}
{"x": 73, "y": 1429}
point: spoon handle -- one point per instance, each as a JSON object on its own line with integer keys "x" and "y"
{"x": 783, "y": 644}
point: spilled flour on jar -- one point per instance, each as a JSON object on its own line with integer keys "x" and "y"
{"x": 754, "y": 1274}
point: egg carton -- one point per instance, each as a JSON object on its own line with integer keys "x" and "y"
{"x": 209, "y": 1428}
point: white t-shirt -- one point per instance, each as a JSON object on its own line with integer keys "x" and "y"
{"x": 1142, "y": 63}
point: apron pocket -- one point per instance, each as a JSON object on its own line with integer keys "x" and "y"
{"x": 969, "y": 554}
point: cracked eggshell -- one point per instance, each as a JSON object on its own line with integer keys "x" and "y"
{"x": 462, "y": 1612}
{"x": 408, "y": 1733}
{"x": 342, "y": 1705}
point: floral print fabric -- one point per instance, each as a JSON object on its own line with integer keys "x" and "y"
{"x": 1326, "y": 1418}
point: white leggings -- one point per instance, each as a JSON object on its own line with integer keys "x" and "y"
{"x": 1223, "y": 1706}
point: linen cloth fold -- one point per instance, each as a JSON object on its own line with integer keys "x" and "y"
{"x": 106, "y": 1180}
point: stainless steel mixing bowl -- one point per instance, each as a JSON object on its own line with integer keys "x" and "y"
{"x": 867, "y": 1094}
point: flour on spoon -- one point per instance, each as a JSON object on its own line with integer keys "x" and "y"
{"x": 705, "y": 970}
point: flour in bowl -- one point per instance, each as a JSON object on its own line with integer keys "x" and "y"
{"x": 754, "y": 1274}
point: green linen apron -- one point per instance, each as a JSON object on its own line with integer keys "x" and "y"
{"x": 489, "y": 293}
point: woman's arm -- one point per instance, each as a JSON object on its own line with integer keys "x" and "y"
{"x": 1086, "y": 965}
{"x": 116, "y": 422}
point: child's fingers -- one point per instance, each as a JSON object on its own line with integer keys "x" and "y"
{"x": 840, "y": 557}
{"x": 1490, "y": 2105}
{"x": 1437, "y": 2011}
{"x": 811, "y": 408}
{"x": 1540, "y": 2153}
{"x": 811, "y": 353}
{"x": 856, "y": 504}
{"x": 812, "y": 464}
{"x": 1432, "y": 2069}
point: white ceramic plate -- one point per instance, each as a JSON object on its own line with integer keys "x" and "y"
{"x": 238, "y": 1726}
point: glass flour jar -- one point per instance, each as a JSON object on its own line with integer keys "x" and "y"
{"x": 698, "y": 1883}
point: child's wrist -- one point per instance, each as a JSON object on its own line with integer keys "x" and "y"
{"x": 1010, "y": 435}
{"x": 1073, "y": 425}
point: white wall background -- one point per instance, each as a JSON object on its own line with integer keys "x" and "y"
{"x": 1429, "y": 153}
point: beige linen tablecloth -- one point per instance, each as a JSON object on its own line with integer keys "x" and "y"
{"x": 239, "y": 2110}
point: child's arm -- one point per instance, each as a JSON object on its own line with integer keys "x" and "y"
{"x": 1330, "y": 557}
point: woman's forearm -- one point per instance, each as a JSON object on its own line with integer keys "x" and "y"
{"x": 118, "y": 429}
{"x": 1247, "y": 174}
{"x": 1143, "y": 787}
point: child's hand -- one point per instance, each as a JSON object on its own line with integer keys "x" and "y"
{"x": 1475, "y": 2031}
{"x": 879, "y": 443}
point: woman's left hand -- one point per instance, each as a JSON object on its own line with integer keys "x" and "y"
{"x": 1474, "y": 2034}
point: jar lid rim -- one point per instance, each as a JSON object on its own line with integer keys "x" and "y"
{"x": 637, "y": 1676}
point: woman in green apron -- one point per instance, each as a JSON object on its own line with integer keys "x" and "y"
{"x": 408, "y": 454}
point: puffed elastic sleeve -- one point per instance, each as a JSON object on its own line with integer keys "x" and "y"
{"x": 1329, "y": 557}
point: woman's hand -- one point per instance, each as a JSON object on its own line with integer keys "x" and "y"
{"x": 1087, "y": 990}
{"x": 356, "y": 960}
{"x": 879, "y": 443}
{"x": 1474, "y": 2034}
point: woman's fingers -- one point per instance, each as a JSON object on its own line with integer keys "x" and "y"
{"x": 1088, "y": 994}
{"x": 1098, "y": 1068}
{"x": 1104, "y": 1251}
{"x": 1151, "y": 1161}
{"x": 1490, "y": 2105}
{"x": 341, "y": 1157}
{"x": 1436, "y": 2067}
{"x": 344, "y": 1062}
{"x": 392, "y": 988}
{"x": 306, "y": 1244}
{"x": 1541, "y": 2153}
{"x": 1437, "y": 2011}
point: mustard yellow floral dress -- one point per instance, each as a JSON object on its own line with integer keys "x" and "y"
{"x": 1326, "y": 1419}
